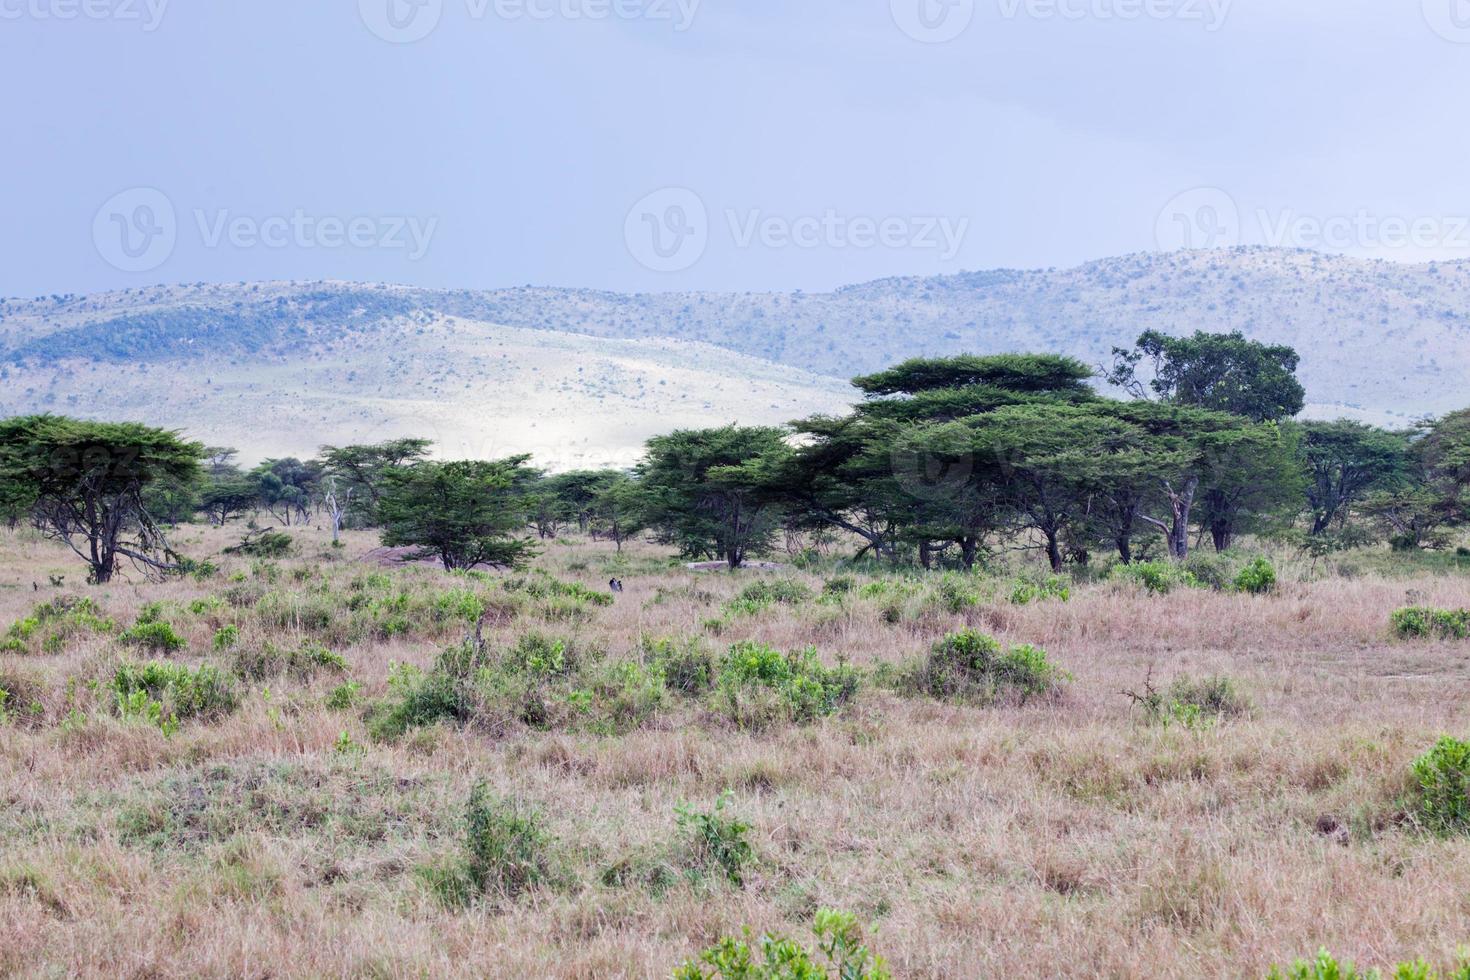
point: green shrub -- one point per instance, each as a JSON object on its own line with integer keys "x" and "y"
{"x": 1326, "y": 967}
{"x": 841, "y": 954}
{"x": 303, "y": 662}
{"x": 1191, "y": 703}
{"x": 1158, "y": 577}
{"x": 1423, "y": 622}
{"x": 688, "y": 667}
{"x": 970, "y": 666}
{"x": 179, "y": 693}
{"x": 758, "y": 686}
{"x": 51, "y": 624}
{"x": 263, "y": 544}
{"x": 343, "y": 696}
{"x": 226, "y": 637}
{"x": 1441, "y": 796}
{"x": 153, "y": 634}
{"x": 504, "y": 853}
{"x": 1257, "y": 578}
{"x": 1051, "y": 587}
{"x": 955, "y": 593}
{"x": 544, "y": 587}
{"x": 717, "y": 842}
{"x": 1211, "y": 571}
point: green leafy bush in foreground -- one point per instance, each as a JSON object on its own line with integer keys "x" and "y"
{"x": 758, "y": 685}
{"x": 51, "y": 624}
{"x": 1257, "y": 578}
{"x": 167, "y": 693}
{"x": 1441, "y": 795}
{"x": 718, "y": 841}
{"x": 1422, "y": 622}
{"x": 1158, "y": 577}
{"x": 506, "y": 853}
{"x": 970, "y": 666}
{"x": 1326, "y": 967}
{"x": 841, "y": 954}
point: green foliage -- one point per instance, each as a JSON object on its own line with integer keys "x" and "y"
{"x": 542, "y": 587}
{"x": 1158, "y": 577}
{"x": 465, "y": 514}
{"x": 1326, "y": 967}
{"x": 1220, "y": 372}
{"x": 1441, "y": 799}
{"x": 1191, "y": 703}
{"x": 1257, "y": 578}
{"x": 759, "y": 686}
{"x": 505, "y": 853}
{"x": 153, "y": 634}
{"x": 270, "y": 544}
{"x": 841, "y": 954}
{"x": 718, "y": 842}
{"x": 344, "y": 696}
{"x": 302, "y": 662}
{"x": 166, "y": 692}
{"x": 51, "y": 625}
{"x": 972, "y": 667}
{"x": 766, "y": 593}
{"x": 1421, "y": 622}
{"x": 687, "y": 667}
{"x": 84, "y": 482}
{"x": 1053, "y": 587}
{"x": 226, "y": 637}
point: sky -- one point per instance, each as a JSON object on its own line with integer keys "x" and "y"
{"x": 653, "y": 145}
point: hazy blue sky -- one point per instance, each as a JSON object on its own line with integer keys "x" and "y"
{"x": 731, "y": 144}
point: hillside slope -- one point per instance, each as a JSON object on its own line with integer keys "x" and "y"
{"x": 1381, "y": 341}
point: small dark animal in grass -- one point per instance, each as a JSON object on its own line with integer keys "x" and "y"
{"x": 616, "y": 585}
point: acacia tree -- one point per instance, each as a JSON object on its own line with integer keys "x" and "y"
{"x": 704, "y": 494}
{"x": 617, "y": 512}
{"x": 465, "y": 514}
{"x": 1345, "y": 462}
{"x": 364, "y": 470}
{"x": 84, "y": 484}
{"x": 1221, "y": 372}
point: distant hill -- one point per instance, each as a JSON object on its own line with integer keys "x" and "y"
{"x": 324, "y": 361}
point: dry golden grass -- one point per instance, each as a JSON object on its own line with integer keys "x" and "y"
{"x": 1063, "y": 838}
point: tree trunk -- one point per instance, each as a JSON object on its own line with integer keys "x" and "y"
{"x": 1053, "y": 551}
{"x": 969, "y": 548}
{"x": 1223, "y": 535}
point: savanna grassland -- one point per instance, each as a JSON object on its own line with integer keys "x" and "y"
{"x": 296, "y": 788}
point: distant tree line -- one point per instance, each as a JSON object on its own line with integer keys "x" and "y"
{"x": 945, "y": 461}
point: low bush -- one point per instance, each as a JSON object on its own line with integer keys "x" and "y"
{"x": 1256, "y": 578}
{"x": 167, "y": 692}
{"x": 972, "y": 667}
{"x": 688, "y": 668}
{"x": 52, "y": 624}
{"x": 717, "y": 842}
{"x": 1190, "y": 702}
{"x": 759, "y": 686}
{"x": 158, "y": 636}
{"x": 1158, "y": 577}
{"x": 1440, "y": 800}
{"x": 1052, "y": 587}
{"x": 505, "y": 853}
{"x": 1326, "y": 967}
{"x": 841, "y": 954}
{"x": 303, "y": 662}
{"x": 1420, "y": 622}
